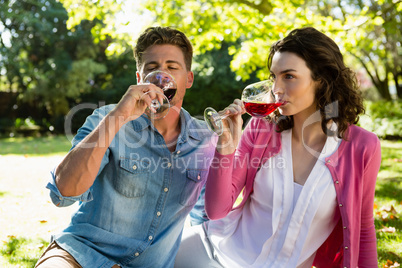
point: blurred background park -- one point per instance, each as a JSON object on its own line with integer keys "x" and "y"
{"x": 60, "y": 59}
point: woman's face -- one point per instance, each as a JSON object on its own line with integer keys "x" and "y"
{"x": 293, "y": 84}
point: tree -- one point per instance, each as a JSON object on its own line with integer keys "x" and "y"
{"x": 370, "y": 33}
{"x": 375, "y": 31}
{"x": 46, "y": 63}
{"x": 369, "y": 30}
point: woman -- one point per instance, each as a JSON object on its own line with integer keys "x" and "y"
{"x": 307, "y": 173}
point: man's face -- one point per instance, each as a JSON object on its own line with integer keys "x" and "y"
{"x": 167, "y": 58}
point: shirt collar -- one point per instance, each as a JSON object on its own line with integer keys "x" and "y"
{"x": 190, "y": 127}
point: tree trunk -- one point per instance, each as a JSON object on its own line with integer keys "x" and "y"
{"x": 398, "y": 86}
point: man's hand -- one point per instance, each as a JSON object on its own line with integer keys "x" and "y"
{"x": 136, "y": 99}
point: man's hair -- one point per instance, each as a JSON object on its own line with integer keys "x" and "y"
{"x": 337, "y": 83}
{"x": 163, "y": 36}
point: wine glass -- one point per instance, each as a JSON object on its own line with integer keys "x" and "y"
{"x": 167, "y": 83}
{"x": 258, "y": 101}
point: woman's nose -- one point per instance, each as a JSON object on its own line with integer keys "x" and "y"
{"x": 276, "y": 88}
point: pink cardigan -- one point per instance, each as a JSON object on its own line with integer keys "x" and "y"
{"x": 354, "y": 168}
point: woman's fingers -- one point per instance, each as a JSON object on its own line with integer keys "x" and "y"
{"x": 237, "y": 107}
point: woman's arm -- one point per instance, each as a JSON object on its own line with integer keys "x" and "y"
{"x": 368, "y": 247}
{"x": 227, "y": 176}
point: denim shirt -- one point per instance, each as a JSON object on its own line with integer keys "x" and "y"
{"x": 134, "y": 213}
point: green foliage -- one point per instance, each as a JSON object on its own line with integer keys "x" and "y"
{"x": 383, "y": 118}
{"x": 27, "y": 122}
{"x": 215, "y": 84}
{"x": 60, "y": 55}
{"x": 209, "y": 24}
{"x": 49, "y": 65}
{"x": 103, "y": 11}
{"x": 369, "y": 30}
{"x": 22, "y": 252}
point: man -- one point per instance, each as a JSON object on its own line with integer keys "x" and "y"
{"x": 136, "y": 179}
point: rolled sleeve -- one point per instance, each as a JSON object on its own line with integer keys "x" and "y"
{"x": 64, "y": 201}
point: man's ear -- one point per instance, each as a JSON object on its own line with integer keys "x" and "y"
{"x": 138, "y": 77}
{"x": 190, "y": 79}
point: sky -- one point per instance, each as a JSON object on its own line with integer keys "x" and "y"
{"x": 134, "y": 22}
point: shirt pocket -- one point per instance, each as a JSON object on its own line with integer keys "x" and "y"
{"x": 195, "y": 179}
{"x": 132, "y": 178}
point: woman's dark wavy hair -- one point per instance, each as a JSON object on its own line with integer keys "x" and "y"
{"x": 338, "y": 96}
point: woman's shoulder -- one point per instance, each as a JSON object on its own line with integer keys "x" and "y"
{"x": 362, "y": 140}
{"x": 358, "y": 134}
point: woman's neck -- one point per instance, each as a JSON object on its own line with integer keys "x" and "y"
{"x": 307, "y": 130}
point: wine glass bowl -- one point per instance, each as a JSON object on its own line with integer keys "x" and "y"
{"x": 258, "y": 101}
{"x": 167, "y": 83}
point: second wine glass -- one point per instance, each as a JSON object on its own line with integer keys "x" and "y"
{"x": 168, "y": 84}
{"x": 258, "y": 101}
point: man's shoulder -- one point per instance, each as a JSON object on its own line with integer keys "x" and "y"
{"x": 197, "y": 127}
{"x": 195, "y": 121}
{"x": 104, "y": 110}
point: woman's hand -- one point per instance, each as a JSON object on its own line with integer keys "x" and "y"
{"x": 232, "y": 127}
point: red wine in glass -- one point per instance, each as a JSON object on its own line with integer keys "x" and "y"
{"x": 259, "y": 109}
{"x": 170, "y": 93}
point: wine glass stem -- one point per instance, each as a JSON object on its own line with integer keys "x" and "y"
{"x": 223, "y": 116}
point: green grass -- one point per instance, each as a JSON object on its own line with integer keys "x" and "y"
{"x": 389, "y": 195}
{"x": 23, "y": 251}
{"x": 51, "y": 145}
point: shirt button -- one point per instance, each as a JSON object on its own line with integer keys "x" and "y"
{"x": 137, "y": 254}
{"x": 340, "y": 205}
{"x": 134, "y": 167}
{"x": 150, "y": 237}
{"x": 169, "y": 165}
{"x": 328, "y": 161}
{"x": 337, "y": 182}
{"x": 346, "y": 248}
{"x": 158, "y": 213}
{"x": 344, "y": 227}
{"x": 178, "y": 152}
{"x": 198, "y": 177}
{"x": 166, "y": 189}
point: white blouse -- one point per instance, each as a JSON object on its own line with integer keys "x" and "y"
{"x": 283, "y": 223}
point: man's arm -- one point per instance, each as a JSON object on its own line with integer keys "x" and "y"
{"x": 78, "y": 170}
